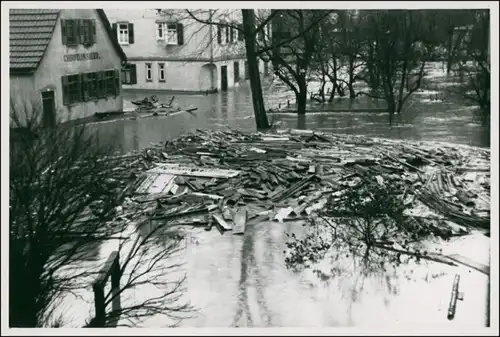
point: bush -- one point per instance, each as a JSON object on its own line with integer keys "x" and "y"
{"x": 57, "y": 177}
{"x": 359, "y": 224}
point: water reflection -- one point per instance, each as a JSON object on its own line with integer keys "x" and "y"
{"x": 301, "y": 122}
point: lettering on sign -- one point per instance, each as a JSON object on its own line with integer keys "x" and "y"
{"x": 81, "y": 57}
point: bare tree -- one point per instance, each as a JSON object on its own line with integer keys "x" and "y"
{"x": 339, "y": 49}
{"x": 64, "y": 193}
{"x": 351, "y": 42}
{"x": 398, "y": 41}
{"x": 447, "y": 21}
{"x": 149, "y": 283}
{"x": 326, "y": 60}
{"x": 475, "y": 64}
{"x": 260, "y": 41}
{"x": 292, "y": 58}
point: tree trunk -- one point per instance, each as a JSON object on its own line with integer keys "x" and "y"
{"x": 391, "y": 106}
{"x": 352, "y": 93}
{"x": 340, "y": 90}
{"x": 332, "y": 92}
{"x": 301, "y": 96}
{"x": 253, "y": 70}
{"x": 322, "y": 90}
{"x": 449, "y": 59}
{"x": 333, "y": 79}
{"x": 25, "y": 288}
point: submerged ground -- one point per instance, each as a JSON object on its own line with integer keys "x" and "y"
{"x": 432, "y": 114}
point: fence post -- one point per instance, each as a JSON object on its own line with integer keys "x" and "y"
{"x": 115, "y": 283}
{"x": 100, "y": 309}
{"x": 111, "y": 268}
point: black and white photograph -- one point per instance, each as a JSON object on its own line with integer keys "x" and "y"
{"x": 323, "y": 167}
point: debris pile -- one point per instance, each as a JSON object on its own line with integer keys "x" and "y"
{"x": 226, "y": 178}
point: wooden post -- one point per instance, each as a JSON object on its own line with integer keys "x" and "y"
{"x": 115, "y": 283}
{"x": 100, "y": 309}
{"x": 111, "y": 268}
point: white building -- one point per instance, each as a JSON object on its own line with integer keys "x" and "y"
{"x": 172, "y": 51}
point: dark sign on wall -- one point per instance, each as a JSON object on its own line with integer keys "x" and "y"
{"x": 81, "y": 57}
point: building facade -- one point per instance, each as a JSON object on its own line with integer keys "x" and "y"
{"x": 64, "y": 64}
{"x": 168, "y": 50}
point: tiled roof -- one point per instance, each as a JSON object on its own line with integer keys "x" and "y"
{"x": 29, "y": 36}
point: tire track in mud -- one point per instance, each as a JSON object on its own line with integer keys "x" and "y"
{"x": 249, "y": 265}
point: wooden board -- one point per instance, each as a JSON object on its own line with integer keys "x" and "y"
{"x": 470, "y": 263}
{"x": 221, "y": 223}
{"x": 161, "y": 184}
{"x": 180, "y": 170}
{"x": 240, "y": 221}
{"x": 146, "y": 183}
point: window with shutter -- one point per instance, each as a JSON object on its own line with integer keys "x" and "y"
{"x": 180, "y": 34}
{"x": 125, "y": 76}
{"x": 131, "y": 33}
{"x": 92, "y": 85}
{"x": 63, "y": 32}
{"x": 231, "y": 34}
{"x": 129, "y": 74}
{"x": 123, "y": 33}
{"x": 133, "y": 74}
{"x": 84, "y": 87}
{"x": 219, "y": 34}
{"x": 74, "y": 89}
{"x": 172, "y": 34}
{"x": 110, "y": 82}
{"x": 65, "y": 90}
{"x": 94, "y": 32}
{"x": 70, "y": 33}
{"x": 76, "y": 31}
{"x": 117, "y": 82}
{"x": 227, "y": 34}
{"x": 115, "y": 30}
{"x": 82, "y": 31}
{"x": 101, "y": 84}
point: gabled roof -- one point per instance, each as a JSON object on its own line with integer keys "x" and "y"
{"x": 31, "y": 31}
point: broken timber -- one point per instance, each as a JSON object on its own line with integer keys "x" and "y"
{"x": 240, "y": 221}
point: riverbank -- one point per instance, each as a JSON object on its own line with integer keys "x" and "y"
{"x": 234, "y": 197}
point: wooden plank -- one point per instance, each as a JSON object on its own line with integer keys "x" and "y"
{"x": 240, "y": 221}
{"x": 283, "y": 213}
{"x": 160, "y": 183}
{"x": 182, "y": 170}
{"x": 170, "y": 186}
{"x": 222, "y": 224}
{"x": 470, "y": 263}
{"x": 146, "y": 183}
{"x": 208, "y": 196}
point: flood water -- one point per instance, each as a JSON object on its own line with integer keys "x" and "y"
{"x": 242, "y": 281}
{"x": 428, "y": 117}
